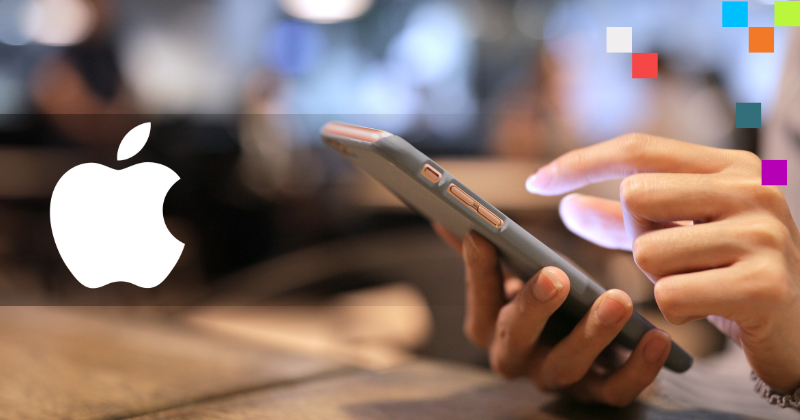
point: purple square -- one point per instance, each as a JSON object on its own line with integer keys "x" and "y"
{"x": 773, "y": 172}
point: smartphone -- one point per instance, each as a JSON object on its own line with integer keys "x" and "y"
{"x": 436, "y": 195}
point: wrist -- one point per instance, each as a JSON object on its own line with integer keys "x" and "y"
{"x": 774, "y": 397}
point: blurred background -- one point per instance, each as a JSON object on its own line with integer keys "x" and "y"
{"x": 288, "y": 244}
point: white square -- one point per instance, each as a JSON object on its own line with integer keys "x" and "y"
{"x": 619, "y": 40}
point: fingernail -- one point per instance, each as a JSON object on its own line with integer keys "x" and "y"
{"x": 547, "y": 286}
{"x": 612, "y": 309}
{"x": 530, "y": 184}
{"x": 472, "y": 241}
{"x": 536, "y": 182}
{"x": 656, "y": 347}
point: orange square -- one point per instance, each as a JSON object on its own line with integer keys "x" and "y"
{"x": 762, "y": 40}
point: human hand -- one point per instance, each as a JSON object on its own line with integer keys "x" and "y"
{"x": 506, "y": 317}
{"x": 716, "y": 242}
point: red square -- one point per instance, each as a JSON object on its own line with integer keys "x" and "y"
{"x": 645, "y": 65}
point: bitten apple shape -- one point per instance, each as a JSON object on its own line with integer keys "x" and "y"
{"x": 109, "y": 226}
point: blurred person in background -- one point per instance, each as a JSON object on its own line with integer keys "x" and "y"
{"x": 85, "y": 79}
{"x": 532, "y": 121}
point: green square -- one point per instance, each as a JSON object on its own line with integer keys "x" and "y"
{"x": 748, "y": 115}
{"x": 787, "y": 13}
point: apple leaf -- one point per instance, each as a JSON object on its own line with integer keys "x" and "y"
{"x": 134, "y": 141}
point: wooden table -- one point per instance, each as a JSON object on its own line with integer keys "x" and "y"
{"x": 101, "y": 363}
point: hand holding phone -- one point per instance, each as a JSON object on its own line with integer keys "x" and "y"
{"x": 435, "y": 194}
{"x": 508, "y": 323}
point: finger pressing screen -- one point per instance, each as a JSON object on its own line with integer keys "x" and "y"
{"x": 623, "y": 156}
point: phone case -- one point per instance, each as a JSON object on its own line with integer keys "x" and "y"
{"x": 399, "y": 167}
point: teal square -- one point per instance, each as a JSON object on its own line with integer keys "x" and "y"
{"x": 734, "y": 14}
{"x": 748, "y": 115}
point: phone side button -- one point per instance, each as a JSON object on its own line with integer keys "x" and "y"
{"x": 490, "y": 217}
{"x": 431, "y": 174}
{"x": 470, "y": 202}
{"x": 461, "y": 195}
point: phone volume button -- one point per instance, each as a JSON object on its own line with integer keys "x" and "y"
{"x": 461, "y": 195}
{"x": 490, "y": 217}
{"x": 470, "y": 202}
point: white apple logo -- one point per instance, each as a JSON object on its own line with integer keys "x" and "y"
{"x": 109, "y": 226}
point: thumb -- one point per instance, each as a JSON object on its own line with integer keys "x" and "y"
{"x": 597, "y": 220}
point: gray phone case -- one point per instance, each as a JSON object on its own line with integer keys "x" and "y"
{"x": 398, "y": 166}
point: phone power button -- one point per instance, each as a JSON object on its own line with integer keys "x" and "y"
{"x": 431, "y": 174}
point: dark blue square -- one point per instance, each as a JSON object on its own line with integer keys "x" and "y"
{"x": 748, "y": 115}
{"x": 734, "y": 14}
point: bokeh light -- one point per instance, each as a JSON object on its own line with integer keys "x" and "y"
{"x": 58, "y": 22}
{"x": 294, "y": 48}
{"x": 326, "y": 11}
{"x": 434, "y": 43}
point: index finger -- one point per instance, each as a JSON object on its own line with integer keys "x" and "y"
{"x": 623, "y": 156}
